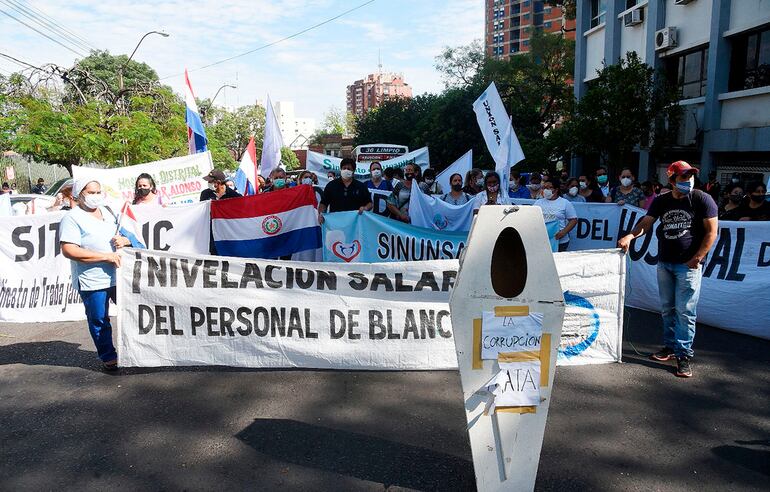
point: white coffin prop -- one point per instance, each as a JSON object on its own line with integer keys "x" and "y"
{"x": 507, "y": 268}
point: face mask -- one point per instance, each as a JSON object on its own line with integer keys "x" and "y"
{"x": 602, "y": 179}
{"x": 573, "y": 191}
{"x": 376, "y": 173}
{"x": 480, "y": 182}
{"x": 534, "y": 186}
{"x": 493, "y": 188}
{"x": 409, "y": 176}
{"x": 685, "y": 187}
{"x": 548, "y": 194}
{"x": 513, "y": 186}
{"x": 735, "y": 180}
{"x": 583, "y": 185}
{"x": 346, "y": 174}
{"x": 626, "y": 181}
{"x": 307, "y": 181}
{"x": 142, "y": 192}
{"x": 757, "y": 198}
{"x": 232, "y": 187}
{"x": 279, "y": 183}
{"x": 457, "y": 187}
{"x": 429, "y": 181}
{"x": 93, "y": 201}
{"x": 735, "y": 198}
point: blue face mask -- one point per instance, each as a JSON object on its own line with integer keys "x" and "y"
{"x": 279, "y": 183}
{"x": 685, "y": 187}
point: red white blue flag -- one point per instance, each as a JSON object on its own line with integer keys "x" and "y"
{"x": 268, "y": 225}
{"x": 196, "y": 134}
{"x": 129, "y": 227}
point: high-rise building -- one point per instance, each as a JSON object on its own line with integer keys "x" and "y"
{"x": 295, "y": 131}
{"x": 509, "y": 25}
{"x": 375, "y": 89}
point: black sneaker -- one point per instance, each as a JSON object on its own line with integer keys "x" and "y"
{"x": 683, "y": 369}
{"x": 662, "y": 355}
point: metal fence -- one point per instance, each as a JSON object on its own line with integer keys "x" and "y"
{"x": 23, "y": 172}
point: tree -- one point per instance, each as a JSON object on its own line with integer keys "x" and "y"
{"x": 460, "y": 65}
{"x": 98, "y": 76}
{"x": 335, "y": 122}
{"x": 627, "y": 106}
{"x": 289, "y": 159}
{"x": 569, "y": 7}
{"x": 230, "y": 133}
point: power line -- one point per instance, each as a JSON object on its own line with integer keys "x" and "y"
{"x": 44, "y": 24}
{"x": 274, "y": 42}
{"x": 19, "y": 62}
{"x": 61, "y": 27}
{"x": 41, "y": 33}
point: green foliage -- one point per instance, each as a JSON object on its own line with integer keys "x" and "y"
{"x": 624, "y": 107}
{"x": 289, "y": 159}
{"x": 336, "y": 122}
{"x": 98, "y": 76}
{"x": 534, "y": 87}
{"x": 230, "y": 133}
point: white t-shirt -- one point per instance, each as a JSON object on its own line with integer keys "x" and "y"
{"x": 482, "y": 199}
{"x": 557, "y": 209}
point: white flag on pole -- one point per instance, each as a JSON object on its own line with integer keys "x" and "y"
{"x": 461, "y": 166}
{"x": 271, "y": 146}
{"x": 495, "y": 125}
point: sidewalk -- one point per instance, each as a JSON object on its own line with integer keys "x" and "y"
{"x": 64, "y": 424}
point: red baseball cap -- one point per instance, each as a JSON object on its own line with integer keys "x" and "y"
{"x": 680, "y": 168}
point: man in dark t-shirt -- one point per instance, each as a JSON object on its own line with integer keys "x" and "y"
{"x": 688, "y": 228}
{"x": 345, "y": 193}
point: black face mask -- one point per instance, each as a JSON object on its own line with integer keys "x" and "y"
{"x": 757, "y": 198}
{"x": 735, "y": 198}
{"x": 409, "y": 176}
{"x": 142, "y": 192}
{"x": 457, "y": 187}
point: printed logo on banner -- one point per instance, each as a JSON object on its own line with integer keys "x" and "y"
{"x": 440, "y": 221}
{"x": 272, "y": 225}
{"x": 346, "y": 252}
{"x": 575, "y": 337}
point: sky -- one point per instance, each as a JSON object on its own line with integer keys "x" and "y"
{"x": 312, "y": 69}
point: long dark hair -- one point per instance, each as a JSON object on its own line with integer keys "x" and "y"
{"x": 146, "y": 176}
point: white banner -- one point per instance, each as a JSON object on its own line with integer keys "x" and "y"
{"x": 35, "y": 279}
{"x": 182, "y": 229}
{"x": 321, "y": 164}
{"x": 179, "y": 180}
{"x": 201, "y": 310}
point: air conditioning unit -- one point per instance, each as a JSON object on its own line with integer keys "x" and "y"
{"x": 665, "y": 38}
{"x": 633, "y": 18}
{"x": 682, "y": 2}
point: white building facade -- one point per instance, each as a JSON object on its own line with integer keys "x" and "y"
{"x": 295, "y": 131}
{"x": 718, "y": 54}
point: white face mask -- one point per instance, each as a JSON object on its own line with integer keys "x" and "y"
{"x": 93, "y": 201}
{"x": 346, "y": 174}
{"x": 429, "y": 181}
{"x": 583, "y": 185}
{"x": 573, "y": 191}
{"x": 307, "y": 181}
{"x": 376, "y": 173}
{"x": 534, "y": 186}
{"x": 547, "y": 193}
{"x": 626, "y": 181}
{"x": 513, "y": 185}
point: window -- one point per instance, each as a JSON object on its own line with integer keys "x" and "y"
{"x": 689, "y": 72}
{"x": 598, "y": 11}
{"x": 631, "y": 3}
{"x": 750, "y": 61}
{"x": 548, "y": 25}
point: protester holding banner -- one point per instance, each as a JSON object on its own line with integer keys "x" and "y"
{"x": 557, "y": 208}
{"x": 432, "y": 187}
{"x": 88, "y": 237}
{"x": 277, "y": 180}
{"x": 145, "y": 191}
{"x": 474, "y": 181}
{"x": 492, "y": 195}
{"x": 603, "y": 181}
{"x": 456, "y": 196}
{"x": 589, "y": 190}
{"x": 308, "y": 178}
{"x": 398, "y": 201}
{"x": 573, "y": 191}
{"x": 376, "y": 182}
{"x": 626, "y": 192}
{"x": 345, "y": 193}
{"x": 217, "y": 189}
{"x": 688, "y": 229}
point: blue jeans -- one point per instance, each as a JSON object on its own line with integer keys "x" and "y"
{"x": 679, "y": 288}
{"x": 96, "y": 303}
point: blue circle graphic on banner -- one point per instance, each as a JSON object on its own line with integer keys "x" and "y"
{"x": 583, "y": 303}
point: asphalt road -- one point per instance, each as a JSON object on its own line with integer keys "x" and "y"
{"x": 66, "y": 425}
